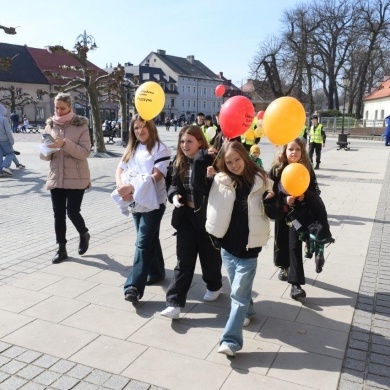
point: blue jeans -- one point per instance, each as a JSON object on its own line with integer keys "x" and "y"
{"x": 6, "y": 150}
{"x": 148, "y": 257}
{"x": 241, "y": 273}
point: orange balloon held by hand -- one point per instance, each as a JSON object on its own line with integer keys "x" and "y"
{"x": 283, "y": 120}
{"x": 295, "y": 179}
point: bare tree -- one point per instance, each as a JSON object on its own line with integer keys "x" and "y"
{"x": 90, "y": 81}
{"x": 6, "y": 62}
{"x": 16, "y": 98}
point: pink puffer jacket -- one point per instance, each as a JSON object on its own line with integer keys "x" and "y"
{"x": 69, "y": 166}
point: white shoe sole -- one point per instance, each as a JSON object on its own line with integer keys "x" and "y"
{"x": 211, "y": 296}
{"x": 168, "y": 314}
{"x": 224, "y": 349}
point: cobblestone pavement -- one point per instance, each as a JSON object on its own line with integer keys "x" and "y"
{"x": 27, "y": 283}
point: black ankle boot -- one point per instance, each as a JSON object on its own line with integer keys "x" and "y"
{"x": 61, "y": 254}
{"x": 84, "y": 243}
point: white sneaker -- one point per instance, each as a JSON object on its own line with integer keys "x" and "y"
{"x": 8, "y": 171}
{"x": 171, "y": 312}
{"x": 247, "y": 321}
{"x": 223, "y": 348}
{"x": 212, "y": 295}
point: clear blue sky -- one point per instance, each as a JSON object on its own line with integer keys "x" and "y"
{"x": 223, "y": 34}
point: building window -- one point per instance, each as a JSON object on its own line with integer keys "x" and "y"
{"x": 194, "y": 103}
{"x": 39, "y": 114}
{"x": 214, "y": 105}
{"x": 204, "y": 104}
{"x": 145, "y": 76}
{"x": 172, "y": 103}
{"x": 376, "y": 115}
{"x": 382, "y": 114}
{"x": 205, "y": 91}
{"x": 188, "y": 103}
{"x": 188, "y": 89}
{"x": 183, "y": 89}
{"x": 194, "y": 90}
{"x": 183, "y": 103}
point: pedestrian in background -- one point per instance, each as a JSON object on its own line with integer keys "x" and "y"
{"x": 317, "y": 138}
{"x": 15, "y": 121}
{"x": 145, "y": 154}
{"x": 69, "y": 174}
{"x": 189, "y": 219}
{"x": 238, "y": 225}
{"x": 6, "y": 142}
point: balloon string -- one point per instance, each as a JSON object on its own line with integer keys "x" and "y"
{"x": 217, "y": 156}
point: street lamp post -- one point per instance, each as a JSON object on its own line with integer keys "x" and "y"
{"x": 343, "y": 138}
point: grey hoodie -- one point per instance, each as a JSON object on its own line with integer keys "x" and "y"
{"x": 5, "y": 127}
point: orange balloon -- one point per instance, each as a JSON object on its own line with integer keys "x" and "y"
{"x": 295, "y": 179}
{"x": 283, "y": 120}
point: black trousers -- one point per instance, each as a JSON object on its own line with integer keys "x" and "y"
{"x": 317, "y": 148}
{"x": 288, "y": 252}
{"x": 66, "y": 201}
{"x": 191, "y": 240}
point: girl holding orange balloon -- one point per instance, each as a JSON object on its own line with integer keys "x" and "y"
{"x": 298, "y": 197}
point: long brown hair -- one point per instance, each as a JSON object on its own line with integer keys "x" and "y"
{"x": 133, "y": 140}
{"x": 251, "y": 169}
{"x": 281, "y": 160}
{"x": 180, "y": 164}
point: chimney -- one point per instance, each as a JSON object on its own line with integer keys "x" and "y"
{"x": 221, "y": 75}
{"x": 191, "y": 59}
{"x": 161, "y": 52}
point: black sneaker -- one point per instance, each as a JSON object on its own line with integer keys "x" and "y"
{"x": 297, "y": 291}
{"x": 283, "y": 274}
{"x": 131, "y": 294}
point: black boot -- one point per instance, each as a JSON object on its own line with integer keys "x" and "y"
{"x": 317, "y": 166}
{"x": 61, "y": 254}
{"x": 84, "y": 243}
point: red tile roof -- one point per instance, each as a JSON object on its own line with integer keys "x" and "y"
{"x": 53, "y": 61}
{"x": 380, "y": 92}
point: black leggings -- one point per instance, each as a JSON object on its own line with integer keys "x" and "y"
{"x": 66, "y": 201}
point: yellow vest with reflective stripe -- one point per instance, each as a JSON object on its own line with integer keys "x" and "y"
{"x": 315, "y": 134}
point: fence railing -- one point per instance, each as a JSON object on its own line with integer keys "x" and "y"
{"x": 335, "y": 124}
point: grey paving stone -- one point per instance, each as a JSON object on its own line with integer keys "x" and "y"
{"x": 380, "y": 359}
{"x": 47, "y": 377}
{"x": 116, "y": 382}
{"x": 136, "y": 385}
{"x": 29, "y": 356}
{"x": 46, "y": 361}
{"x": 4, "y": 346}
{"x": 80, "y": 371}
{"x": 356, "y": 344}
{"x": 380, "y": 340}
{"x": 62, "y": 366}
{"x": 13, "y": 367}
{"x": 378, "y": 381}
{"x": 355, "y": 354}
{"x": 361, "y": 336}
{"x": 379, "y": 369}
{"x": 347, "y": 385}
{"x": 29, "y": 372}
{"x": 380, "y": 349}
{"x": 13, "y": 352}
{"x": 33, "y": 386}
{"x": 357, "y": 365}
{"x": 3, "y": 376}
{"x": 97, "y": 377}
{"x": 65, "y": 383}
{"x": 4, "y": 360}
{"x": 12, "y": 383}
{"x": 86, "y": 386}
{"x": 353, "y": 375}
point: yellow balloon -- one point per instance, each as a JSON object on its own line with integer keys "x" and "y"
{"x": 295, "y": 179}
{"x": 283, "y": 120}
{"x": 149, "y": 100}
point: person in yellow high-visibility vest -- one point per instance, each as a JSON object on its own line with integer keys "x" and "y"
{"x": 317, "y": 138}
{"x": 248, "y": 139}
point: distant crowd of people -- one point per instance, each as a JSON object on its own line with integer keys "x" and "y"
{"x": 223, "y": 202}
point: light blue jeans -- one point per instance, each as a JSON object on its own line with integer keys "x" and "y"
{"x": 6, "y": 152}
{"x": 241, "y": 273}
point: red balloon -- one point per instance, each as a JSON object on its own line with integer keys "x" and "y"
{"x": 220, "y": 90}
{"x": 260, "y": 115}
{"x": 236, "y": 116}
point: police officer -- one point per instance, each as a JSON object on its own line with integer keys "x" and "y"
{"x": 317, "y": 140}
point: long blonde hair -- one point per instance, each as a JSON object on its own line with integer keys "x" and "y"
{"x": 133, "y": 140}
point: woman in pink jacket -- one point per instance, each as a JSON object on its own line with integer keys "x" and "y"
{"x": 69, "y": 174}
